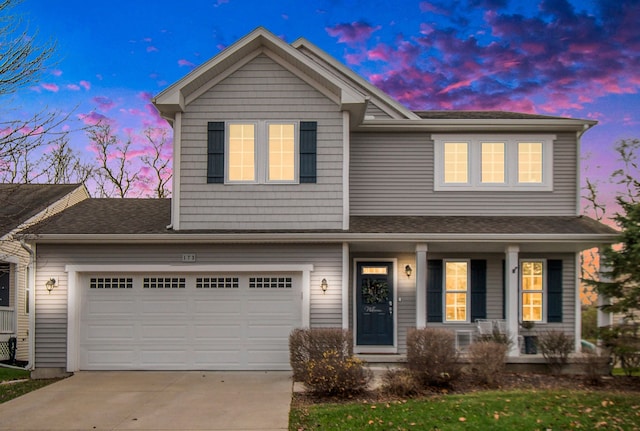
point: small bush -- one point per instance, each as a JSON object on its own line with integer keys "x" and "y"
{"x": 555, "y": 347}
{"x": 593, "y": 365}
{"x": 488, "y": 360}
{"x": 335, "y": 374}
{"x": 432, "y": 356}
{"x": 311, "y": 344}
{"x": 623, "y": 341}
{"x": 400, "y": 382}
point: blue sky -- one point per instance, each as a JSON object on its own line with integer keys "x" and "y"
{"x": 576, "y": 58}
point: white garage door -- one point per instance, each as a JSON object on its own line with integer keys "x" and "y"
{"x": 188, "y": 321}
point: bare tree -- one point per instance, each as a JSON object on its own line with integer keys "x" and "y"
{"x": 63, "y": 165}
{"x": 157, "y": 162}
{"x": 22, "y": 62}
{"x": 115, "y": 175}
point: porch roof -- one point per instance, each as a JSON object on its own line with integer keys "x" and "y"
{"x": 147, "y": 220}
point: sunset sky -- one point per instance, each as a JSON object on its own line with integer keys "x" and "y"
{"x": 578, "y": 58}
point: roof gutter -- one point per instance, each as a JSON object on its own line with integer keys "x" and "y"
{"x": 492, "y": 125}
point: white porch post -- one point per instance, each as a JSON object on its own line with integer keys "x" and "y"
{"x": 604, "y": 318}
{"x": 511, "y": 296}
{"x": 421, "y": 285}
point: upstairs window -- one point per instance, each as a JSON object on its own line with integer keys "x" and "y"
{"x": 261, "y": 152}
{"x": 493, "y": 162}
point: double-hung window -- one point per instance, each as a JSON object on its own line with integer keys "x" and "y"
{"x": 493, "y": 162}
{"x": 456, "y": 291}
{"x": 261, "y": 152}
{"x": 532, "y": 289}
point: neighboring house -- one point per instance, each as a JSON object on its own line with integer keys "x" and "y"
{"x": 304, "y": 196}
{"x": 21, "y": 206}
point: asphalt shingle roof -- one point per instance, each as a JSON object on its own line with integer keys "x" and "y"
{"x": 19, "y": 202}
{"x": 483, "y": 115}
{"x": 152, "y": 216}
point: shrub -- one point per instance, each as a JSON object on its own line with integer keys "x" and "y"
{"x": 432, "y": 356}
{"x": 593, "y": 365}
{"x": 555, "y": 347}
{"x": 311, "y": 344}
{"x": 623, "y": 341}
{"x": 400, "y": 382}
{"x": 335, "y": 374}
{"x": 488, "y": 360}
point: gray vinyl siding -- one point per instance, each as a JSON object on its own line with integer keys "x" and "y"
{"x": 51, "y": 316}
{"x": 261, "y": 90}
{"x": 393, "y": 174}
{"x": 375, "y": 111}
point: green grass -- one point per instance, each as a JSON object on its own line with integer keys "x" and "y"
{"x": 508, "y": 410}
{"x": 620, "y": 372}
{"x": 13, "y": 390}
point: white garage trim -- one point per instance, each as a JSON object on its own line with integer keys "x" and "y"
{"x": 73, "y": 292}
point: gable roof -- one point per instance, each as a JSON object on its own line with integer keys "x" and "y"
{"x": 260, "y": 41}
{"x": 21, "y": 202}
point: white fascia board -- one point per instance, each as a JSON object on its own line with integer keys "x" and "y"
{"x": 484, "y": 125}
{"x": 274, "y": 238}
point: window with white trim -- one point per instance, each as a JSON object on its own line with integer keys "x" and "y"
{"x": 532, "y": 290}
{"x": 456, "y": 291}
{"x": 262, "y": 152}
{"x": 493, "y": 162}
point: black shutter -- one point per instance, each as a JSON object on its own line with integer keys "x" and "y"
{"x": 434, "y": 291}
{"x": 308, "y": 149}
{"x": 554, "y": 291}
{"x": 478, "y": 289}
{"x": 215, "y": 152}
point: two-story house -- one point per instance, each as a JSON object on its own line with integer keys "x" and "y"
{"x": 303, "y": 196}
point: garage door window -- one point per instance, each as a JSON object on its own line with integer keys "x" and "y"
{"x": 216, "y": 282}
{"x": 164, "y": 283}
{"x": 270, "y": 282}
{"x": 111, "y": 283}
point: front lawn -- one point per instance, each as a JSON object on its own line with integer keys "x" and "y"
{"x": 12, "y": 390}
{"x": 490, "y": 410}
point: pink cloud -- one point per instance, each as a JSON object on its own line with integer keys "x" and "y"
{"x": 152, "y": 49}
{"x": 86, "y": 85}
{"x": 352, "y": 33}
{"x": 93, "y": 118}
{"x": 56, "y": 72}
{"x": 145, "y": 96}
{"x": 73, "y": 87}
{"x": 50, "y": 87}
{"x": 104, "y": 103}
{"x": 185, "y": 63}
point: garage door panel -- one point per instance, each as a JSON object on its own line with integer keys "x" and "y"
{"x": 208, "y": 322}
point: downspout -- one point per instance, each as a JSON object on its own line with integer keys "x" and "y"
{"x": 31, "y": 288}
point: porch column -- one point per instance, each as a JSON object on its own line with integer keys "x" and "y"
{"x": 604, "y": 317}
{"x": 345, "y": 285}
{"x": 511, "y": 296}
{"x": 421, "y": 285}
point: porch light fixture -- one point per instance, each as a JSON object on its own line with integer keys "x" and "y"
{"x": 323, "y": 285}
{"x": 50, "y": 284}
{"x": 408, "y": 270}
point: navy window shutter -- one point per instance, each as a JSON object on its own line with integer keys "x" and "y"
{"x": 554, "y": 291}
{"x": 215, "y": 152}
{"x": 478, "y": 289}
{"x": 434, "y": 291}
{"x": 308, "y": 150}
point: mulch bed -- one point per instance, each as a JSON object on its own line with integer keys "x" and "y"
{"x": 508, "y": 381}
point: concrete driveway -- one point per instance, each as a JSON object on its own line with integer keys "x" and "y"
{"x": 150, "y": 400}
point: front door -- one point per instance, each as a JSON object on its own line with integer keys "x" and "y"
{"x": 374, "y": 304}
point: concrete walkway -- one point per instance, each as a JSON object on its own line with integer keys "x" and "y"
{"x": 150, "y": 400}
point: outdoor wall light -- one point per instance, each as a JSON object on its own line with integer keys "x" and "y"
{"x": 50, "y": 284}
{"x": 408, "y": 270}
{"x": 323, "y": 285}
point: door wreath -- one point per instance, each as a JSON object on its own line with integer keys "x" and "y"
{"x": 374, "y": 291}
